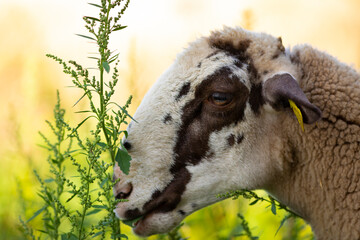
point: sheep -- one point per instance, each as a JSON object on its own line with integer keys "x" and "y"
{"x": 219, "y": 119}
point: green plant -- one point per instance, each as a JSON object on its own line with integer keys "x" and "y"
{"x": 80, "y": 183}
{"x": 294, "y": 231}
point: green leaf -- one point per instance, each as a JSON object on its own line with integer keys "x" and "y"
{"x": 95, "y": 5}
{"x": 70, "y": 198}
{"x": 97, "y": 234}
{"x": 68, "y": 236}
{"x": 99, "y": 206}
{"x": 273, "y": 207}
{"x": 123, "y": 159}
{"x": 254, "y": 202}
{"x": 119, "y": 235}
{"x": 101, "y": 144}
{"x": 106, "y": 66}
{"x": 282, "y": 223}
{"x": 49, "y": 180}
{"x": 85, "y": 111}
{"x": 92, "y": 18}
{"x": 118, "y": 28}
{"x": 80, "y": 35}
{"x": 81, "y": 123}
{"x": 124, "y": 111}
{"x": 93, "y": 212}
{"x": 103, "y": 182}
{"x": 112, "y": 59}
{"x": 131, "y": 222}
{"x": 36, "y": 214}
{"x": 42, "y": 146}
{"x": 80, "y": 98}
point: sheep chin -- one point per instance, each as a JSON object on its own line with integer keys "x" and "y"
{"x": 156, "y": 223}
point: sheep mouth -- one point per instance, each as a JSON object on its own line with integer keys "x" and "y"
{"x": 139, "y": 223}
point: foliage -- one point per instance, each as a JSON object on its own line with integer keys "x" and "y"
{"x": 70, "y": 201}
{"x": 274, "y": 206}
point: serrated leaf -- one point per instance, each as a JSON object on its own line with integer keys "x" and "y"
{"x": 297, "y": 113}
{"x": 119, "y": 28}
{"x": 36, "y": 214}
{"x": 123, "y": 159}
{"x": 91, "y": 38}
{"x": 106, "y": 66}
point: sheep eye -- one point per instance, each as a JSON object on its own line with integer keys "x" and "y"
{"x": 220, "y": 99}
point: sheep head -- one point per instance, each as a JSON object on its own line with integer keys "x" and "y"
{"x": 209, "y": 125}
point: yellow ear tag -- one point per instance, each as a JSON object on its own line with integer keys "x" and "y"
{"x": 297, "y": 114}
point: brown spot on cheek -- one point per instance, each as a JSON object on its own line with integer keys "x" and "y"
{"x": 231, "y": 140}
{"x": 167, "y": 118}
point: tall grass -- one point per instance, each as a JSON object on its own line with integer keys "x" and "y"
{"x": 79, "y": 203}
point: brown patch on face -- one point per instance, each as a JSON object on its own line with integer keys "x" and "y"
{"x": 239, "y": 139}
{"x": 231, "y": 140}
{"x": 167, "y": 119}
{"x": 168, "y": 199}
{"x": 183, "y": 91}
{"x": 256, "y": 99}
{"x": 200, "y": 118}
{"x": 238, "y": 51}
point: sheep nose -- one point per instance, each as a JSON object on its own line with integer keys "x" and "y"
{"x": 124, "y": 191}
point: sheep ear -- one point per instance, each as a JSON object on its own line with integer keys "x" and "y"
{"x": 279, "y": 89}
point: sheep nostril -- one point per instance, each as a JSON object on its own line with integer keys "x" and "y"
{"x": 127, "y": 145}
{"x": 124, "y": 192}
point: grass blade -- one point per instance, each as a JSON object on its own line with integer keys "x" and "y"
{"x": 36, "y": 214}
{"x": 80, "y": 35}
{"x": 95, "y": 5}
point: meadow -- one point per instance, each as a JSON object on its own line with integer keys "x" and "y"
{"x": 30, "y": 80}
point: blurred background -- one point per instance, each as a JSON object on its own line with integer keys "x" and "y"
{"x": 157, "y": 31}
